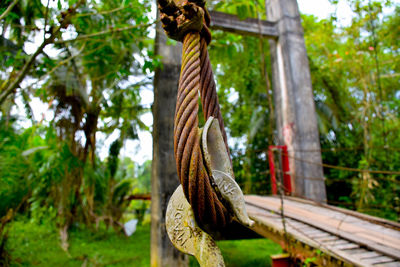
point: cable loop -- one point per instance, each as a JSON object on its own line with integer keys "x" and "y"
{"x": 188, "y": 21}
{"x": 180, "y": 18}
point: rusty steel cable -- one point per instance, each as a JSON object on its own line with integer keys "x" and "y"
{"x": 209, "y": 97}
{"x": 210, "y": 212}
{"x": 188, "y": 22}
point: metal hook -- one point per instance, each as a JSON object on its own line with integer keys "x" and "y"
{"x": 217, "y": 160}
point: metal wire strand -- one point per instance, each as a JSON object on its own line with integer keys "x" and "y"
{"x": 208, "y": 209}
{"x": 209, "y": 97}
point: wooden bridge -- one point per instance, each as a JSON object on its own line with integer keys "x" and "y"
{"x": 331, "y": 236}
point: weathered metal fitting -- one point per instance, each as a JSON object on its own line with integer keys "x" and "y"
{"x": 179, "y": 17}
{"x": 189, "y": 20}
{"x": 200, "y": 3}
{"x": 167, "y": 20}
{"x": 187, "y": 236}
{"x": 233, "y": 196}
{"x": 168, "y": 7}
{"x": 217, "y": 160}
{"x": 214, "y": 149}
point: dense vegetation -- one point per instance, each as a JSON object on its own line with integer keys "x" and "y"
{"x": 355, "y": 76}
{"x": 88, "y": 61}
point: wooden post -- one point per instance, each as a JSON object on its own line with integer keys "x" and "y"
{"x": 164, "y": 178}
{"x": 295, "y": 108}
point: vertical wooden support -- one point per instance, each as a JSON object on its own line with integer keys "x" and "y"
{"x": 164, "y": 178}
{"x": 294, "y": 105}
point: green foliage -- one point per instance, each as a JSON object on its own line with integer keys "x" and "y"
{"x": 34, "y": 171}
{"x": 242, "y": 8}
{"x": 14, "y": 168}
{"x": 253, "y": 252}
{"x": 355, "y": 86}
{"x": 355, "y": 80}
{"x": 113, "y": 157}
{"x": 142, "y": 185}
{"x": 87, "y": 82}
{"x": 143, "y": 182}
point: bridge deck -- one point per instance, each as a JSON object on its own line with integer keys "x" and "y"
{"x": 331, "y": 236}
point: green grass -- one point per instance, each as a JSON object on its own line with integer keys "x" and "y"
{"x": 240, "y": 253}
{"x": 38, "y": 245}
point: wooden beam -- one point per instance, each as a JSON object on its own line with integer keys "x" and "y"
{"x": 231, "y": 23}
{"x": 138, "y": 197}
{"x": 294, "y": 103}
{"x": 164, "y": 179}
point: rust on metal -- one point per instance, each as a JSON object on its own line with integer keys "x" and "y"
{"x": 218, "y": 161}
{"x": 187, "y": 236}
{"x": 208, "y": 196}
{"x": 180, "y": 17}
{"x": 209, "y": 97}
{"x": 194, "y": 177}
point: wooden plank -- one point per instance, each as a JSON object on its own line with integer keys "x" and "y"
{"x": 347, "y": 250}
{"x": 379, "y": 239}
{"x": 326, "y": 239}
{"x": 231, "y": 23}
{"x": 388, "y": 264}
{"x": 346, "y": 246}
{"x": 366, "y": 222}
{"x": 275, "y": 232}
{"x": 333, "y": 243}
{"x": 369, "y": 254}
{"x": 377, "y": 260}
{"x": 362, "y": 216}
{"x": 357, "y": 251}
{"x": 310, "y": 231}
{"x": 319, "y": 235}
{"x": 296, "y": 224}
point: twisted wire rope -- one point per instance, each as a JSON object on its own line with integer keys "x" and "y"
{"x": 209, "y": 97}
{"x": 196, "y": 183}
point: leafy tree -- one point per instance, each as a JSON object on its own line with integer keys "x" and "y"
{"x": 354, "y": 74}
{"x": 142, "y": 185}
{"x": 356, "y": 96}
{"x": 90, "y": 65}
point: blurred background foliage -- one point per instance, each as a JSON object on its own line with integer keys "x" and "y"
{"x": 355, "y": 76}
{"x": 88, "y": 62}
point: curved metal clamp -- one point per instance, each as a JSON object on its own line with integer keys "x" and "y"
{"x": 180, "y": 17}
{"x": 182, "y": 228}
{"x": 187, "y": 236}
{"x": 218, "y": 161}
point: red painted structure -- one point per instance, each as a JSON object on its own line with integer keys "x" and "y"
{"x": 287, "y": 183}
{"x": 281, "y": 260}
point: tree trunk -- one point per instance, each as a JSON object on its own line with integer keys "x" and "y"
{"x": 164, "y": 176}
